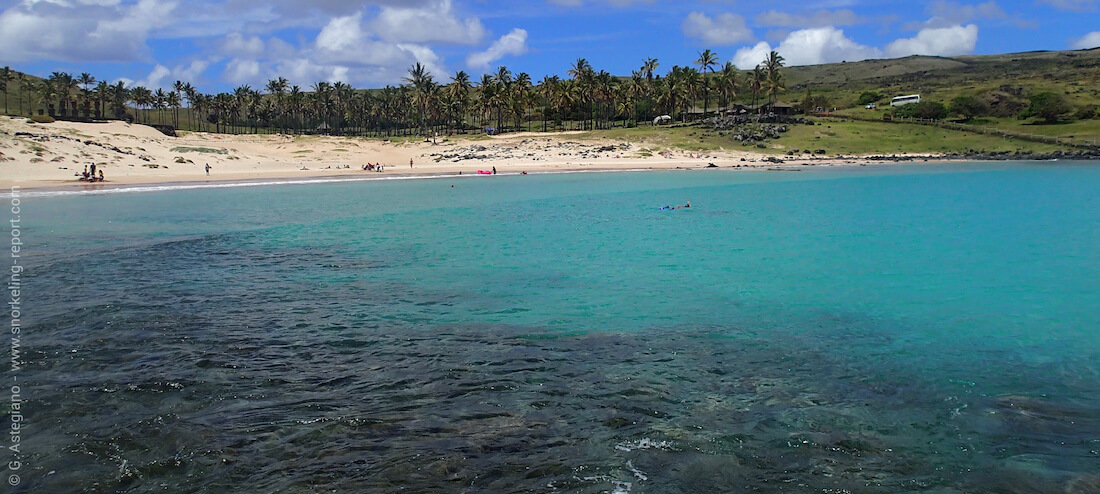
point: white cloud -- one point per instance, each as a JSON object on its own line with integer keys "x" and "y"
{"x": 725, "y": 29}
{"x": 156, "y": 78}
{"x": 808, "y": 47}
{"x": 163, "y": 77}
{"x": 945, "y": 41}
{"x": 513, "y": 43}
{"x": 433, "y": 22}
{"x": 239, "y": 71}
{"x": 1090, "y": 40}
{"x": 237, "y": 45}
{"x": 341, "y": 33}
{"x": 749, "y": 57}
{"x": 190, "y": 72}
{"x": 88, "y": 31}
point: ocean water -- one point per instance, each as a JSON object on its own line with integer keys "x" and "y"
{"x": 920, "y": 328}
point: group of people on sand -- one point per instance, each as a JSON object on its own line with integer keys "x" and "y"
{"x": 90, "y": 176}
{"x": 373, "y": 167}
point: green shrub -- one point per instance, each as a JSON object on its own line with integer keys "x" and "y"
{"x": 1049, "y": 106}
{"x": 41, "y": 119}
{"x": 868, "y": 97}
{"x": 1086, "y": 112}
{"x": 969, "y": 107}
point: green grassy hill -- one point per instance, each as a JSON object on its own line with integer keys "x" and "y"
{"x": 1073, "y": 73}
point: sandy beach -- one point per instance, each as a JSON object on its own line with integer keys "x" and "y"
{"x": 54, "y": 155}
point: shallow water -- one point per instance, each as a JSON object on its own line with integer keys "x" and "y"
{"x": 878, "y": 329}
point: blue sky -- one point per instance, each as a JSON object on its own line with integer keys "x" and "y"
{"x": 220, "y": 44}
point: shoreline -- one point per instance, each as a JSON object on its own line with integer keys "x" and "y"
{"x": 53, "y": 189}
{"x": 60, "y": 190}
{"x": 47, "y": 159}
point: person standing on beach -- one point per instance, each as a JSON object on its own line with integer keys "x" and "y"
{"x": 410, "y": 162}
{"x": 208, "y": 169}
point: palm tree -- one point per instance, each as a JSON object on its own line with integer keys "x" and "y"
{"x": 86, "y": 80}
{"x": 756, "y": 82}
{"x": 565, "y": 96}
{"x": 160, "y": 102}
{"x": 774, "y": 79}
{"x": 605, "y": 89}
{"x": 503, "y": 95}
{"x": 582, "y": 74}
{"x": 174, "y": 102}
{"x": 341, "y": 99}
{"x": 198, "y": 103}
{"x": 6, "y": 76}
{"x": 177, "y": 90}
{"x": 459, "y": 93}
{"x": 422, "y": 83}
{"x": 278, "y": 88}
{"x": 707, "y": 59}
{"x": 649, "y": 66}
{"x": 46, "y": 92}
{"x": 63, "y": 86}
{"x": 101, "y": 92}
{"x": 200, "y": 109}
{"x": 119, "y": 96}
{"x": 190, "y": 93}
{"x": 773, "y": 62}
{"x": 773, "y": 85}
{"x": 142, "y": 97}
{"x": 729, "y": 83}
{"x": 223, "y": 106}
{"x": 486, "y": 98}
{"x": 25, "y": 86}
{"x": 632, "y": 91}
{"x": 521, "y": 97}
{"x": 295, "y": 100}
{"x": 241, "y": 98}
{"x": 546, "y": 90}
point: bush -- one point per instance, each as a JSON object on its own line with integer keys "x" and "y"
{"x": 1049, "y": 106}
{"x": 41, "y": 119}
{"x": 1086, "y": 112}
{"x": 969, "y": 107}
{"x": 932, "y": 110}
{"x": 868, "y": 97}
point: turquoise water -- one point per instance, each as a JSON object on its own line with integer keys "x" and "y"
{"x": 866, "y": 329}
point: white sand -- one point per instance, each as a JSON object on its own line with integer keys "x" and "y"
{"x": 55, "y": 154}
